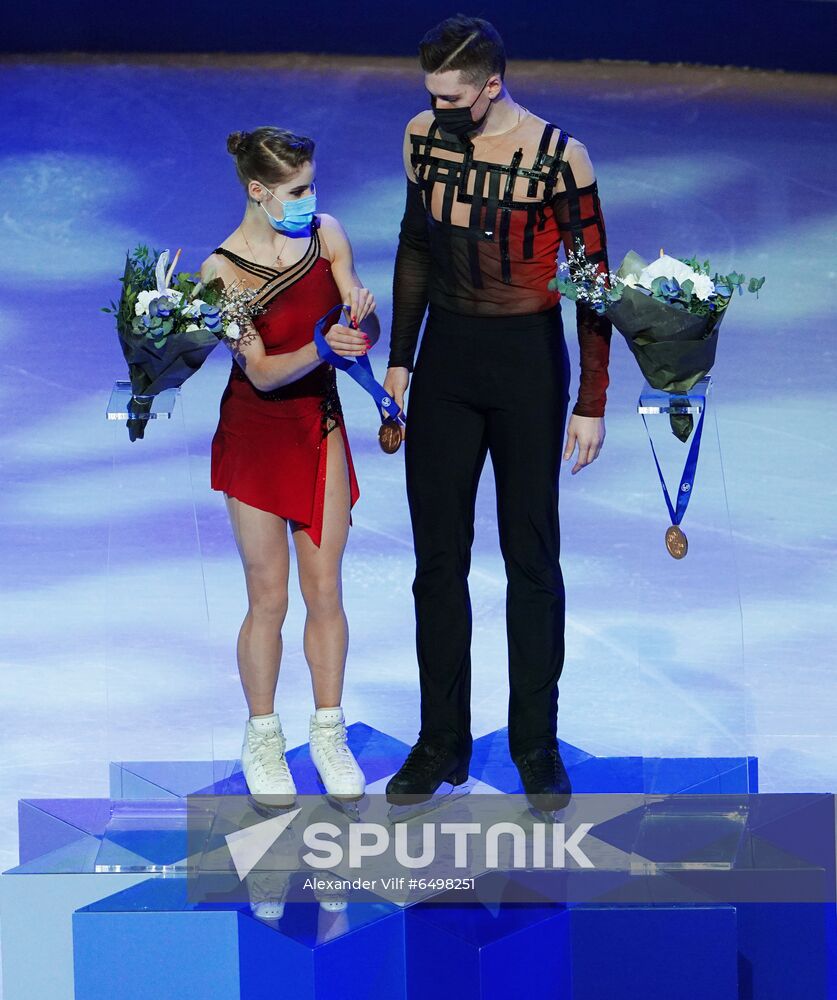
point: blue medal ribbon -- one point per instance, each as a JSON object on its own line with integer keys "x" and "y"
{"x": 359, "y": 368}
{"x": 687, "y": 480}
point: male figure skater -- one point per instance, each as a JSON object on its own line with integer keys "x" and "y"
{"x": 492, "y": 190}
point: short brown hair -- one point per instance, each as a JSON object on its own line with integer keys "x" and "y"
{"x": 469, "y": 44}
{"x": 268, "y": 154}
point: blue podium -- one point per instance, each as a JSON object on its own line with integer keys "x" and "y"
{"x": 102, "y": 892}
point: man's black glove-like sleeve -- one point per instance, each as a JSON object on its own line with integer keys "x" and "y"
{"x": 410, "y": 281}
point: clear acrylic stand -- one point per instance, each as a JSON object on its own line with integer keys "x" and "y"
{"x": 657, "y": 401}
{"x": 690, "y": 654}
{"x": 690, "y": 627}
{"x": 159, "y": 741}
{"x": 122, "y": 404}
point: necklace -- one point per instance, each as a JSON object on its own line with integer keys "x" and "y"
{"x": 511, "y": 128}
{"x": 252, "y": 252}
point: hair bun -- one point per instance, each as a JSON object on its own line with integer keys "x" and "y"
{"x": 271, "y": 154}
{"x": 235, "y": 140}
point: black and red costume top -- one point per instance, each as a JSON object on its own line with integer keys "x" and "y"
{"x": 482, "y": 228}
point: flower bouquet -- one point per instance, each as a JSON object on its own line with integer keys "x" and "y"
{"x": 168, "y": 325}
{"x": 669, "y": 312}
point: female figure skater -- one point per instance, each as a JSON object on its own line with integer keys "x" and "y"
{"x": 281, "y": 454}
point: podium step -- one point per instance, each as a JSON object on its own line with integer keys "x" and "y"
{"x": 102, "y": 891}
{"x": 150, "y": 941}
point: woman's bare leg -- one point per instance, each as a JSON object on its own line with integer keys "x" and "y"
{"x": 262, "y": 541}
{"x": 326, "y": 629}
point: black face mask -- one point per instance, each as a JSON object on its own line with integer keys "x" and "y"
{"x": 458, "y": 121}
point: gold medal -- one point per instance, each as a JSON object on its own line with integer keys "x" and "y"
{"x": 676, "y": 542}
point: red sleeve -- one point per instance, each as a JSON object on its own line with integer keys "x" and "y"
{"x": 580, "y": 220}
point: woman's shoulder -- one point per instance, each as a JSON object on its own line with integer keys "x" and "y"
{"x": 329, "y": 223}
{"x": 332, "y": 233}
{"x": 217, "y": 265}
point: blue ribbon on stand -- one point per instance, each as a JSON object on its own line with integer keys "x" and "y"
{"x": 687, "y": 480}
{"x": 359, "y": 368}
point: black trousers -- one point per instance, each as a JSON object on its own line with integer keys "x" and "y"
{"x": 480, "y": 385}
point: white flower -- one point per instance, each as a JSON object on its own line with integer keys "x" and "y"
{"x": 630, "y": 280}
{"x": 669, "y": 267}
{"x": 704, "y": 286}
{"x": 233, "y": 331}
{"x": 143, "y": 300}
{"x": 665, "y": 267}
{"x": 193, "y": 308}
{"x": 192, "y": 327}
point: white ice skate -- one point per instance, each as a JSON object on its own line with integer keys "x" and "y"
{"x": 335, "y": 762}
{"x": 263, "y": 762}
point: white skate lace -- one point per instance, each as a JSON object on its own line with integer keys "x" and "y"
{"x": 332, "y": 743}
{"x": 268, "y": 751}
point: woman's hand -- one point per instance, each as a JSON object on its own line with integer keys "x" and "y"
{"x": 347, "y": 342}
{"x": 361, "y": 303}
{"x": 588, "y": 433}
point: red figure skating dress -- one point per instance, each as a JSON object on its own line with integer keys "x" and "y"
{"x": 269, "y": 450}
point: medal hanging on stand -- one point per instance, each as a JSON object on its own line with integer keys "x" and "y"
{"x": 676, "y": 542}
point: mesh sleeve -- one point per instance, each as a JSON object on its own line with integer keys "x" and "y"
{"x": 580, "y": 221}
{"x": 410, "y": 281}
